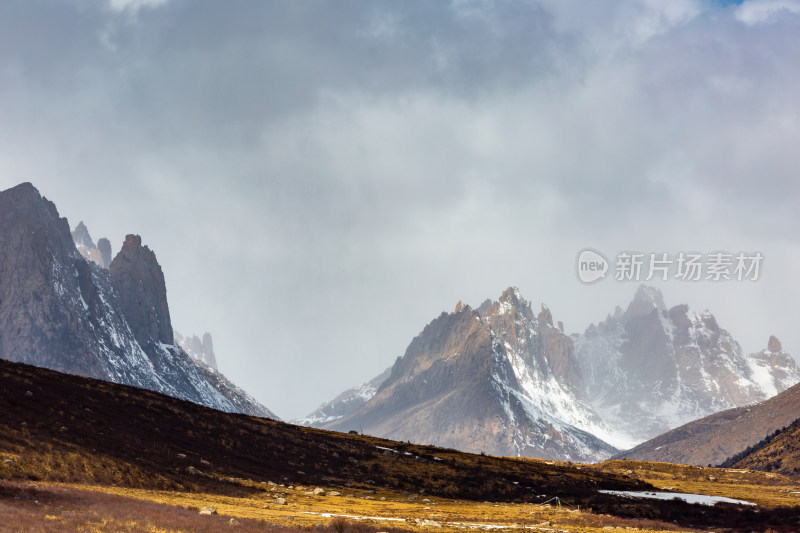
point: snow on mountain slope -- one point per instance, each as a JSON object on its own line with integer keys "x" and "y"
{"x": 61, "y": 311}
{"x": 534, "y": 391}
{"x": 648, "y": 369}
{"x": 345, "y": 403}
{"x": 500, "y": 381}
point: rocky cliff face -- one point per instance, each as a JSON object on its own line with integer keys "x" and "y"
{"x": 139, "y": 281}
{"x": 650, "y": 369}
{"x": 496, "y": 381}
{"x": 60, "y": 311}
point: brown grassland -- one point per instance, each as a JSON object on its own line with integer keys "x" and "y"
{"x": 84, "y": 455}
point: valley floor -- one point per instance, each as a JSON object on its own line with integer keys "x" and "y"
{"x": 47, "y": 506}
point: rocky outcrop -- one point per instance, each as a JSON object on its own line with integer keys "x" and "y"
{"x": 104, "y": 247}
{"x": 139, "y": 281}
{"x": 198, "y": 349}
{"x": 208, "y": 350}
{"x": 99, "y": 254}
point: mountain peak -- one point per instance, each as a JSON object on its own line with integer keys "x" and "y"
{"x": 81, "y": 235}
{"x": 774, "y": 345}
{"x": 511, "y": 299}
{"x": 138, "y": 278}
{"x": 510, "y": 295}
{"x": 645, "y": 300}
{"x": 545, "y": 316}
{"x": 25, "y": 188}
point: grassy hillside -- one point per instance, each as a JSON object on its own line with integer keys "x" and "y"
{"x": 77, "y": 453}
{"x": 779, "y": 452}
{"x": 714, "y": 438}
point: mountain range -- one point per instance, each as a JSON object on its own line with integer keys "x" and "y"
{"x": 501, "y": 379}
{"x": 497, "y": 378}
{"x": 62, "y": 309}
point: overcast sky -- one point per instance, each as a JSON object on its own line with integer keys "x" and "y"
{"x": 319, "y": 180}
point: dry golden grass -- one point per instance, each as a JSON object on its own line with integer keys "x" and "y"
{"x": 385, "y": 509}
{"x": 160, "y": 460}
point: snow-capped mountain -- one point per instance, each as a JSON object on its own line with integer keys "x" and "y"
{"x": 649, "y": 369}
{"x": 501, "y": 380}
{"x": 61, "y": 311}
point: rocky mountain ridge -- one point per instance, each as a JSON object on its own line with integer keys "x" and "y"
{"x": 504, "y": 380}
{"x": 496, "y": 381}
{"x": 649, "y": 369}
{"x": 59, "y": 310}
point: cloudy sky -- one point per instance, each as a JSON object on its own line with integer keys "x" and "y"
{"x": 319, "y": 180}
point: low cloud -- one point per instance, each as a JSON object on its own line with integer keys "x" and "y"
{"x": 321, "y": 180}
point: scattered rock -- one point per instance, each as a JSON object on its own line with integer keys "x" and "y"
{"x": 233, "y": 522}
{"x": 63, "y": 429}
{"x": 280, "y": 501}
{"x": 319, "y": 492}
{"x": 181, "y": 456}
{"x": 28, "y": 394}
{"x": 208, "y": 510}
{"x": 429, "y": 523}
{"x": 9, "y": 462}
{"x": 334, "y": 493}
{"x": 204, "y": 462}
